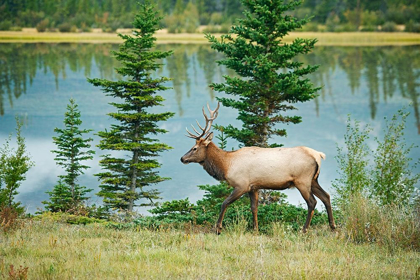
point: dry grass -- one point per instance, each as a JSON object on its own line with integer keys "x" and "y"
{"x": 324, "y": 38}
{"x": 50, "y": 250}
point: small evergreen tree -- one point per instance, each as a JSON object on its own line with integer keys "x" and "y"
{"x": 128, "y": 175}
{"x": 269, "y": 77}
{"x": 14, "y": 164}
{"x": 71, "y": 151}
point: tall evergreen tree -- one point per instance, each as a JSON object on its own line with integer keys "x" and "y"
{"x": 72, "y": 150}
{"x": 270, "y": 79}
{"x": 128, "y": 174}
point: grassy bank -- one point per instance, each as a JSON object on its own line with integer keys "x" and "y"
{"x": 325, "y": 38}
{"x": 51, "y": 250}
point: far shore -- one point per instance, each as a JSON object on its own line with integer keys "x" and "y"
{"x": 30, "y": 35}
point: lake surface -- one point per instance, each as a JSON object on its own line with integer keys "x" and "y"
{"x": 37, "y": 81}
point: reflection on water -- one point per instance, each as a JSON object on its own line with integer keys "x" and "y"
{"x": 37, "y": 80}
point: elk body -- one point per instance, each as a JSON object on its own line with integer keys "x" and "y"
{"x": 250, "y": 169}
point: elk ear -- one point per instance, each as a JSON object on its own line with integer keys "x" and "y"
{"x": 208, "y": 139}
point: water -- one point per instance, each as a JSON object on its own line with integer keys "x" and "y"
{"x": 37, "y": 80}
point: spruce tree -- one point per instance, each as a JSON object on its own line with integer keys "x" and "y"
{"x": 14, "y": 164}
{"x": 72, "y": 151}
{"x": 128, "y": 173}
{"x": 270, "y": 78}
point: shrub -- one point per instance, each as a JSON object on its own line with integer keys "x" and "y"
{"x": 64, "y": 27}
{"x": 389, "y": 26}
{"x": 310, "y": 27}
{"x": 393, "y": 180}
{"x": 353, "y": 163}
{"x": 42, "y": 25}
{"x": 15, "y": 28}
{"x": 368, "y": 28}
{"x": 331, "y": 23}
{"x": 212, "y": 29}
{"x": 390, "y": 179}
{"x": 20, "y": 273}
{"x": 68, "y": 218}
{"x": 5, "y": 25}
{"x": 412, "y": 26}
{"x": 9, "y": 219}
{"x": 347, "y": 27}
{"x": 375, "y": 200}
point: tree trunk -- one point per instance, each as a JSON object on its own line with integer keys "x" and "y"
{"x": 133, "y": 185}
{"x": 264, "y": 135}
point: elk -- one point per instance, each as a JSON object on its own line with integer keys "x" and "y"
{"x": 250, "y": 169}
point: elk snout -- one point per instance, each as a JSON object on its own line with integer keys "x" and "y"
{"x": 184, "y": 161}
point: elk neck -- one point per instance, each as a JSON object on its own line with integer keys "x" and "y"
{"x": 216, "y": 162}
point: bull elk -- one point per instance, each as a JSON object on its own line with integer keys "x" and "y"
{"x": 250, "y": 169}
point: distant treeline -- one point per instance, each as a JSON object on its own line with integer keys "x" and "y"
{"x": 217, "y": 15}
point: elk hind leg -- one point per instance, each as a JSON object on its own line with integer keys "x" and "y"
{"x": 325, "y": 198}
{"x": 306, "y": 193}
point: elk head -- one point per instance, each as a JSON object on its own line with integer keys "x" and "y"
{"x": 203, "y": 139}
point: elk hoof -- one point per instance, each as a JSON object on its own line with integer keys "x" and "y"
{"x": 218, "y": 230}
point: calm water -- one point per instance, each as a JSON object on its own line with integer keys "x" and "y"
{"x": 37, "y": 80}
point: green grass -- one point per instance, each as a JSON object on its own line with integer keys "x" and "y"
{"x": 324, "y": 38}
{"x": 52, "y": 250}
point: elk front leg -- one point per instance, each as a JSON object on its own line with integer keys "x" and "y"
{"x": 237, "y": 193}
{"x": 253, "y": 195}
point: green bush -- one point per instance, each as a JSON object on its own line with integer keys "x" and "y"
{"x": 376, "y": 198}
{"x": 388, "y": 177}
{"x": 64, "y": 27}
{"x": 347, "y": 27}
{"x": 310, "y": 27}
{"x": 412, "y": 26}
{"x": 212, "y": 29}
{"x": 15, "y": 28}
{"x": 62, "y": 217}
{"x": 389, "y": 26}
{"x": 5, "y": 25}
{"x": 368, "y": 28}
{"x": 393, "y": 180}
{"x": 354, "y": 176}
{"x": 42, "y": 25}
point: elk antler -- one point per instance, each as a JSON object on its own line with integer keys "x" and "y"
{"x": 209, "y": 121}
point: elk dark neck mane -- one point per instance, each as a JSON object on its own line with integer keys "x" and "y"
{"x": 215, "y": 163}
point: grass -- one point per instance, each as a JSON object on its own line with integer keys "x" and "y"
{"x": 324, "y": 38}
{"x": 50, "y": 250}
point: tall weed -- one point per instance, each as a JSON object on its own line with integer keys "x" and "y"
{"x": 9, "y": 219}
{"x": 395, "y": 227}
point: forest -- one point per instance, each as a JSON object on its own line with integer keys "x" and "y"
{"x": 218, "y": 15}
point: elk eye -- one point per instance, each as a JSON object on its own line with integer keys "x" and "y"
{"x": 194, "y": 149}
